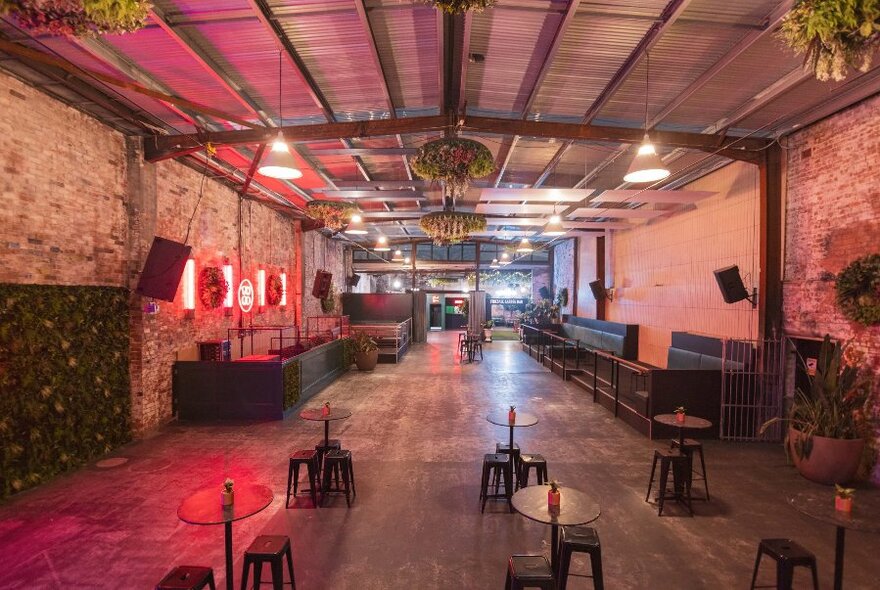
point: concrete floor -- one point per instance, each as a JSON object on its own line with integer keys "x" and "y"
{"x": 417, "y": 435}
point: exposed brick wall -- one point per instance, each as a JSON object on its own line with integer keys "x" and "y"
{"x": 832, "y": 217}
{"x": 563, "y": 270}
{"x": 319, "y": 253}
{"x": 587, "y": 273}
{"x": 84, "y": 210}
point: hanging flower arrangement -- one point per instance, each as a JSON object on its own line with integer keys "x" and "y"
{"x": 334, "y": 214}
{"x": 833, "y": 35}
{"x": 454, "y": 161}
{"x": 78, "y": 17}
{"x": 328, "y": 303}
{"x": 450, "y": 227}
{"x": 212, "y": 286}
{"x": 461, "y": 6}
{"x": 858, "y": 290}
{"x": 274, "y": 289}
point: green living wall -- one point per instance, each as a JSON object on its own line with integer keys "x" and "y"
{"x": 64, "y": 379}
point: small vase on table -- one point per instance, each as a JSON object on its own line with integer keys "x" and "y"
{"x": 843, "y": 498}
{"x": 680, "y": 414}
{"x": 511, "y": 415}
{"x": 227, "y": 495}
{"x": 554, "y": 496}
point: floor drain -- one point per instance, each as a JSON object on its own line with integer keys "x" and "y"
{"x": 114, "y": 462}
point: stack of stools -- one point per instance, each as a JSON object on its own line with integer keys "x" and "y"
{"x": 678, "y": 462}
{"x": 332, "y": 445}
{"x": 496, "y": 466}
{"x": 529, "y": 571}
{"x": 505, "y": 448}
{"x": 336, "y": 462}
{"x": 188, "y": 577}
{"x": 268, "y": 549}
{"x": 691, "y": 447}
{"x": 580, "y": 539}
{"x": 532, "y": 461}
{"x": 787, "y": 555}
{"x": 309, "y": 458}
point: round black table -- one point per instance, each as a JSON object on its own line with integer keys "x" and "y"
{"x": 690, "y": 422}
{"x": 818, "y": 503}
{"x": 318, "y": 415}
{"x": 575, "y": 508}
{"x": 204, "y": 508}
{"x": 523, "y": 420}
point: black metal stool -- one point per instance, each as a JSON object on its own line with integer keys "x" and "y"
{"x": 532, "y": 461}
{"x": 336, "y": 462}
{"x": 188, "y": 577}
{"x": 692, "y": 446}
{"x": 309, "y": 458}
{"x": 678, "y": 462}
{"x": 787, "y": 555}
{"x": 505, "y": 448}
{"x": 529, "y": 571}
{"x": 475, "y": 345}
{"x": 497, "y": 462}
{"x": 580, "y": 539}
{"x": 332, "y": 444}
{"x": 271, "y": 549}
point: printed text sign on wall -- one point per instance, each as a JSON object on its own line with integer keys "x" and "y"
{"x": 245, "y": 295}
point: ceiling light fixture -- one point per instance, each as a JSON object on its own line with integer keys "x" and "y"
{"x": 647, "y": 165}
{"x": 356, "y": 226}
{"x": 382, "y": 245}
{"x": 279, "y": 163}
{"x": 525, "y": 246}
{"x": 398, "y": 256}
{"x": 494, "y": 263}
{"x": 554, "y": 226}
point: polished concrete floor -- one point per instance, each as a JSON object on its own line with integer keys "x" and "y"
{"x": 417, "y": 433}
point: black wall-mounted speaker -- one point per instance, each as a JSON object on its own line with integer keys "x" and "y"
{"x": 353, "y": 280}
{"x": 544, "y": 292}
{"x": 321, "y": 286}
{"x": 731, "y": 285}
{"x": 162, "y": 270}
{"x": 598, "y": 290}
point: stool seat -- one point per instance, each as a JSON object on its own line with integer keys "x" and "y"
{"x": 338, "y": 462}
{"x": 494, "y": 458}
{"x": 531, "y": 461}
{"x": 787, "y": 554}
{"x": 502, "y": 466}
{"x": 581, "y": 536}
{"x": 529, "y": 571}
{"x": 309, "y": 458}
{"x": 271, "y": 549}
{"x": 268, "y": 546}
{"x": 187, "y": 577}
{"x": 580, "y": 539}
{"x": 304, "y": 454}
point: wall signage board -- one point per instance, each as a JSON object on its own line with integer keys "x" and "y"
{"x": 245, "y": 295}
{"x": 507, "y": 301}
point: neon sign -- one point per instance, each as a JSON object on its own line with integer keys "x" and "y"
{"x": 245, "y": 295}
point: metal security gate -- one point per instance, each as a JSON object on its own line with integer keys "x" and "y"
{"x": 752, "y": 388}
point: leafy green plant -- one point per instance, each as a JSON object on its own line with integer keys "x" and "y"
{"x": 554, "y": 486}
{"x": 680, "y": 410}
{"x": 65, "y": 394}
{"x": 78, "y": 17}
{"x": 227, "y": 485}
{"x": 838, "y": 403}
{"x": 362, "y": 342}
{"x": 291, "y": 377}
{"x": 334, "y": 214}
{"x": 454, "y": 161}
{"x": 833, "y": 35}
{"x": 562, "y": 297}
{"x": 858, "y": 290}
{"x": 489, "y": 324}
{"x": 844, "y": 493}
{"x": 451, "y": 227}
{"x": 328, "y": 303}
{"x": 461, "y": 6}
{"x": 212, "y": 287}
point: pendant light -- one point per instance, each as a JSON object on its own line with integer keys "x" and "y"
{"x": 398, "y": 256}
{"x": 382, "y": 244}
{"x": 356, "y": 226}
{"x": 505, "y": 258}
{"x": 554, "y": 226}
{"x": 525, "y": 246}
{"x": 279, "y": 163}
{"x": 647, "y": 165}
{"x": 494, "y": 263}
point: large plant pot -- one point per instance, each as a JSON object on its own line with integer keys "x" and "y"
{"x": 831, "y": 460}
{"x": 366, "y": 361}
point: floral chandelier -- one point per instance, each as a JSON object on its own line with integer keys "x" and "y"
{"x": 78, "y": 17}
{"x": 334, "y": 214}
{"x": 450, "y": 227}
{"x": 454, "y": 161}
{"x": 461, "y": 6}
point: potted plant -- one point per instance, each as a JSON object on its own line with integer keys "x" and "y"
{"x": 828, "y": 423}
{"x": 511, "y": 414}
{"x": 227, "y": 495}
{"x": 487, "y": 330}
{"x": 554, "y": 497}
{"x": 366, "y": 351}
{"x": 843, "y": 498}
{"x": 680, "y": 413}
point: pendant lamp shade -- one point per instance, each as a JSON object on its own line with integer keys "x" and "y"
{"x": 382, "y": 245}
{"x": 356, "y": 226}
{"x": 554, "y": 227}
{"x": 525, "y": 246}
{"x": 494, "y": 263}
{"x": 398, "y": 256}
{"x": 647, "y": 165}
{"x": 279, "y": 162}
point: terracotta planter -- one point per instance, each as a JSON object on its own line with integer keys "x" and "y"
{"x": 487, "y": 334}
{"x": 843, "y": 504}
{"x": 227, "y": 498}
{"x": 553, "y": 498}
{"x": 679, "y": 417}
{"x": 366, "y": 361}
{"x": 831, "y": 460}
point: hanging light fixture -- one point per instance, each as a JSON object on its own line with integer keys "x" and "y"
{"x": 554, "y": 226}
{"x": 406, "y": 260}
{"x": 647, "y": 165}
{"x": 494, "y": 263}
{"x": 356, "y": 226}
{"x": 398, "y": 256}
{"x": 525, "y": 246}
{"x": 382, "y": 244}
{"x": 505, "y": 258}
{"x": 279, "y": 163}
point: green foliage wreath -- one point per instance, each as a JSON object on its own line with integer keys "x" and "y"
{"x": 78, "y": 17}
{"x": 454, "y": 161}
{"x": 858, "y": 290}
{"x": 212, "y": 287}
{"x": 461, "y": 6}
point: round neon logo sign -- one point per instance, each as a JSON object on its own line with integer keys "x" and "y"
{"x": 245, "y": 295}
